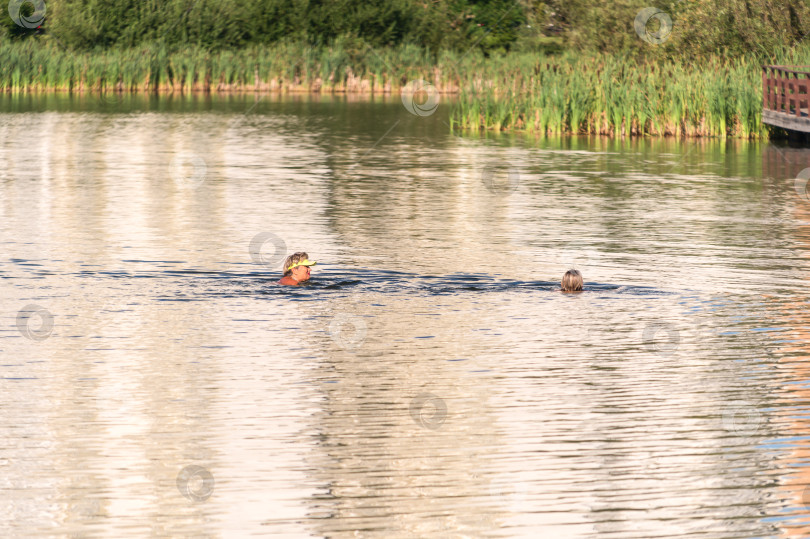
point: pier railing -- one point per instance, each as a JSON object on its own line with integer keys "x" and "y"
{"x": 786, "y": 96}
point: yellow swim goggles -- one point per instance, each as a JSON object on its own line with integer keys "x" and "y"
{"x": 302, "y": 263}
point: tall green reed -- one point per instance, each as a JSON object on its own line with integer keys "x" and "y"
{"x": 566, "y": 93}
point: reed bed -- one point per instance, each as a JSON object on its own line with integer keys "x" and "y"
{"x": 560, "y": 94}
{"x": 33, "y": 65}
{"x": 615, "y": 96}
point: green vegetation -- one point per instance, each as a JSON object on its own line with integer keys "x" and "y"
{"x": 230, "y": 24}
{"x": 729, "y": 27}
{"x": 566, "y": 93}
{"x": 615, "y": 96}
{"x": 560, "y": 66}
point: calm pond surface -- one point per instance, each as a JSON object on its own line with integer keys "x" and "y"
{"x": 431, "y": 380}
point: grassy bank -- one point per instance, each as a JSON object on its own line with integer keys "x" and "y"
{"x": 568, "y": 93}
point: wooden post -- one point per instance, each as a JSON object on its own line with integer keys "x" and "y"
{"x": 779, "y": 89}
{"x": 771, "y": 90}
{"x": 765, "y": 87}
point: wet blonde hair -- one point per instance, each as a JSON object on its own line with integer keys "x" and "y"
{"x": 294, "y": 258}
{"x": 572, "y": 281}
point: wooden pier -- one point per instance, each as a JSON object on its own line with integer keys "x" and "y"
{"x": 786, "y": 97}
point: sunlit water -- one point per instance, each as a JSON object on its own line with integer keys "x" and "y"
{"x": 431, "y": 380}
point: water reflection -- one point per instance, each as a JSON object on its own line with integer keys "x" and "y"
{"x": 431, "y": 380}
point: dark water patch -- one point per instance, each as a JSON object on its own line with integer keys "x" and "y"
{"x": 195, "y": 283}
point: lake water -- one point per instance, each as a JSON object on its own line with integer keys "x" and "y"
{"x": 431, "y": 380}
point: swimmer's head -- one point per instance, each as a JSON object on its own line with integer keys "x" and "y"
{"x": 297, "y": 265}
{"x": 572, "y": 281}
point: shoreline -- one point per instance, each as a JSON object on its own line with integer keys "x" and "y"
{"x": 601, "y": 128}
{"x": 568, "y": 93}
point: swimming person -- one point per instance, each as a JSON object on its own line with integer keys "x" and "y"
{"x": 572, "y": 281}
{"x": 296, "y": 269}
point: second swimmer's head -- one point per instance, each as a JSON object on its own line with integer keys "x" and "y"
{"x": 572, "y": 281}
